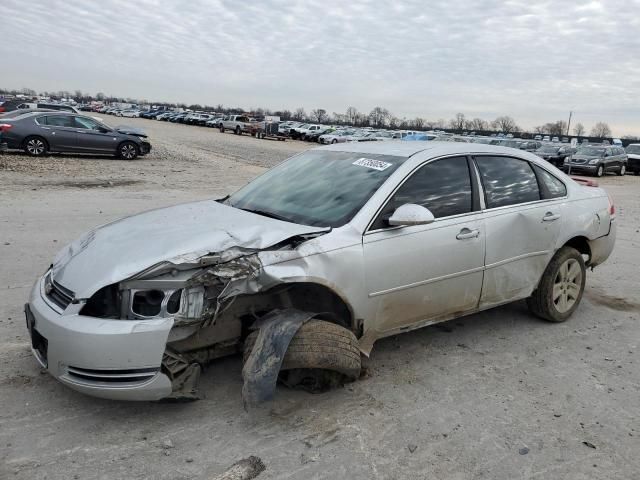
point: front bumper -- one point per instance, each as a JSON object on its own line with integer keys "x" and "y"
{"x": 145, "y": 148}
{"x": 115, "y": 359}
{"x": 583, "y": 167}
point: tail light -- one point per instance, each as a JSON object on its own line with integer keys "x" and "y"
{"x": 612, "y": 207}
{"x": 4, "y": 127}
{"x": 1, "y": 109}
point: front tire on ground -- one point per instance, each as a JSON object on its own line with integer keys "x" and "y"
{"x": 600, "y": 171}
{"x": 623, "y": 170}
{"x": 321, "y": 355}
{"x": 35, "y": 146}
{"x": 561, "y": 286}
{"x": 128, "y": 151}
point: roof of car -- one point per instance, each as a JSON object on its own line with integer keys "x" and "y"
{"x": 407, "y": 149}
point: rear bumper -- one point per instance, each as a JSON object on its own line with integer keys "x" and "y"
{"x": 602, "y": 247}
{"x": 115, "y": 359}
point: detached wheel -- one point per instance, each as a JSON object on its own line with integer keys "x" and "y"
{"x": 623, "y": 170}
{"x": 128, "y": 151}
{"x": 35, "y": 146}
{"x": 561, "y": 287}
{"x": 321, "y": 355}
{"x": 600, "y": 171}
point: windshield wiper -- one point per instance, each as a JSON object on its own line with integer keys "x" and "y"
{"x": 266, "y": 214}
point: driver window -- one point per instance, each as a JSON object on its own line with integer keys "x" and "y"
{"x": 86, "y": 123}
{"x": 443, "y": 186}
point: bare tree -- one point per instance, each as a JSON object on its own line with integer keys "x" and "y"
{"x": 458, "y": 122}
{"x": 378, "y": 116}
{"x": 578, "y": 129}
{"x": 300, "y": 114}
{"x": 505, "y": 124}
{"x": 418, "y": 123}
{"x": 351, "y": 114}
{"x": 477, "y": 124}
{"x": 601, "y": 130}
{"x": 319, "y": 114}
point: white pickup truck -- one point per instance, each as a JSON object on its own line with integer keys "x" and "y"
{"x": 239, "y": 124}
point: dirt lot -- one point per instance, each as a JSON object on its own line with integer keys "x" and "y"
{"x": 498, "y": 395}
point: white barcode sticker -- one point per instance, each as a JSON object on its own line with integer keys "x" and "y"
{"x": 371, "y": 163}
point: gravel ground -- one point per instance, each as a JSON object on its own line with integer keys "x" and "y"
{"x": 497, "y": 395}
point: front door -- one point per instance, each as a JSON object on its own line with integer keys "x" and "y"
{"x": 93, "y": 137}
{"x": 416, "y": 275}
{"x": 522, "y": 222}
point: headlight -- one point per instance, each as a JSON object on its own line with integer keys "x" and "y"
{"x": 594, "y": 161}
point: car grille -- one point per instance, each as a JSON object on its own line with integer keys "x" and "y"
{"x": 59, "y": 295}
{"x": 129, "y": 377}
{"x": 579, "y": 161}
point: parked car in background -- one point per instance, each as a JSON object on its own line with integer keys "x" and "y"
{"x": 39, "y": 133}
{"x": 530, "y": 145}
{"x": 598, "y": 160}
{"x": 633, "y": 156}
{"x": 555, "y": 154}
{"x": 129, "y": 113}
{"x": 339, "y": 136}
{"x": 238, "y": 124}
{"x": 152, "y": 302}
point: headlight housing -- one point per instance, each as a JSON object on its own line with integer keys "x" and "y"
{"x": 594, "y": 161}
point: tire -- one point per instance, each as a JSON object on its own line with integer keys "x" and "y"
{"x": 35, "y": 146}
{"x": 564, "y": 278}
{"x": 321, "y": 355}
{"x": 623, "y": 170}
{"x": 238, "y": 131}
{"x": 128, "y": 151}
{"x": 600, "y": 171}
{"x": 221, "y": 129}
{"x": 334, "y": 141}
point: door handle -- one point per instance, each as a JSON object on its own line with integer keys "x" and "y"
{"x": 550, "y": 217}
{"x": 467, "y": 233}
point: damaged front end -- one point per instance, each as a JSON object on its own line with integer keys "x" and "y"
{"x": 213, "y": 300}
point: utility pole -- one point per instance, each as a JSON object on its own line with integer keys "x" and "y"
{"x": 569, "y": 123}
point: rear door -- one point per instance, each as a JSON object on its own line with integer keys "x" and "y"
{"x": 93, "y": 137}
{"x": 59, "y": 131}
{"x": 522, "y": 221}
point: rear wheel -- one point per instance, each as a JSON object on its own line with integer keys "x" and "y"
{"x": 35, "y": 146}
{"x": 128, "y": 151}
{"x": 321, "y": 355}
{"x": 561, "y": 286}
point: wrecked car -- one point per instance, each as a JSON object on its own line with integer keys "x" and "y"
{"x": 305, "y": 267}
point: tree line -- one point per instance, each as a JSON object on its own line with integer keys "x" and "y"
{"x": 378, "y": 117}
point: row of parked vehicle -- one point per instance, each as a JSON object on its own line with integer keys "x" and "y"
{"x": 570, "y": 157}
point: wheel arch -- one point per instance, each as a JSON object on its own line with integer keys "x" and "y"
{"x": 581, "y": 244}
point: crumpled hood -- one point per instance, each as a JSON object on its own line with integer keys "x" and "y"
{"x": 138, "y": 132}
{"x": 178, "y": 234}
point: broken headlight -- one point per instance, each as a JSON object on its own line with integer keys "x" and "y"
{"x": 142, "y": 303}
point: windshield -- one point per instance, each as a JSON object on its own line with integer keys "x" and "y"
{"x": 548, "y": 149}
{"x": 319, "y": 187}
{"x": 590, "y": 151}
{"x": 633, "y": 149}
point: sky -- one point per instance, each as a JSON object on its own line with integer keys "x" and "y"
{"x": 534, "y": 60}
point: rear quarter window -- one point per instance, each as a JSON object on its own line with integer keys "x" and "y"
{"x": 507, "y": 181}
{"x": 550, "y": 186}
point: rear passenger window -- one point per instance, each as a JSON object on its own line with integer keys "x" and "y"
{"x": 550, "y": 186}
{"x": 507, "y": 181}
{"x": 60, "y": 121}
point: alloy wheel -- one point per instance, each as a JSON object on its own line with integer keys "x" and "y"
{"x": 128, "y": 151}
{"x": 623, "y": 170}
{"x": 567, "y": 285}
{"x": 35, "y": 146}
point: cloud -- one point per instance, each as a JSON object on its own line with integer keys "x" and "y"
{"x": 532, "y": 60}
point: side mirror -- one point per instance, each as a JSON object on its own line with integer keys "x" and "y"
{"x": 411, "y": 214}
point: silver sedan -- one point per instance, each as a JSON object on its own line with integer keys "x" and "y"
{"x": 306, "y": 267}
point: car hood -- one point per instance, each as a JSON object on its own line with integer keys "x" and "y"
{"x": 178, "y": 234}
{"x": 126, "y": 130}
{"x": 583, "y": 157}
